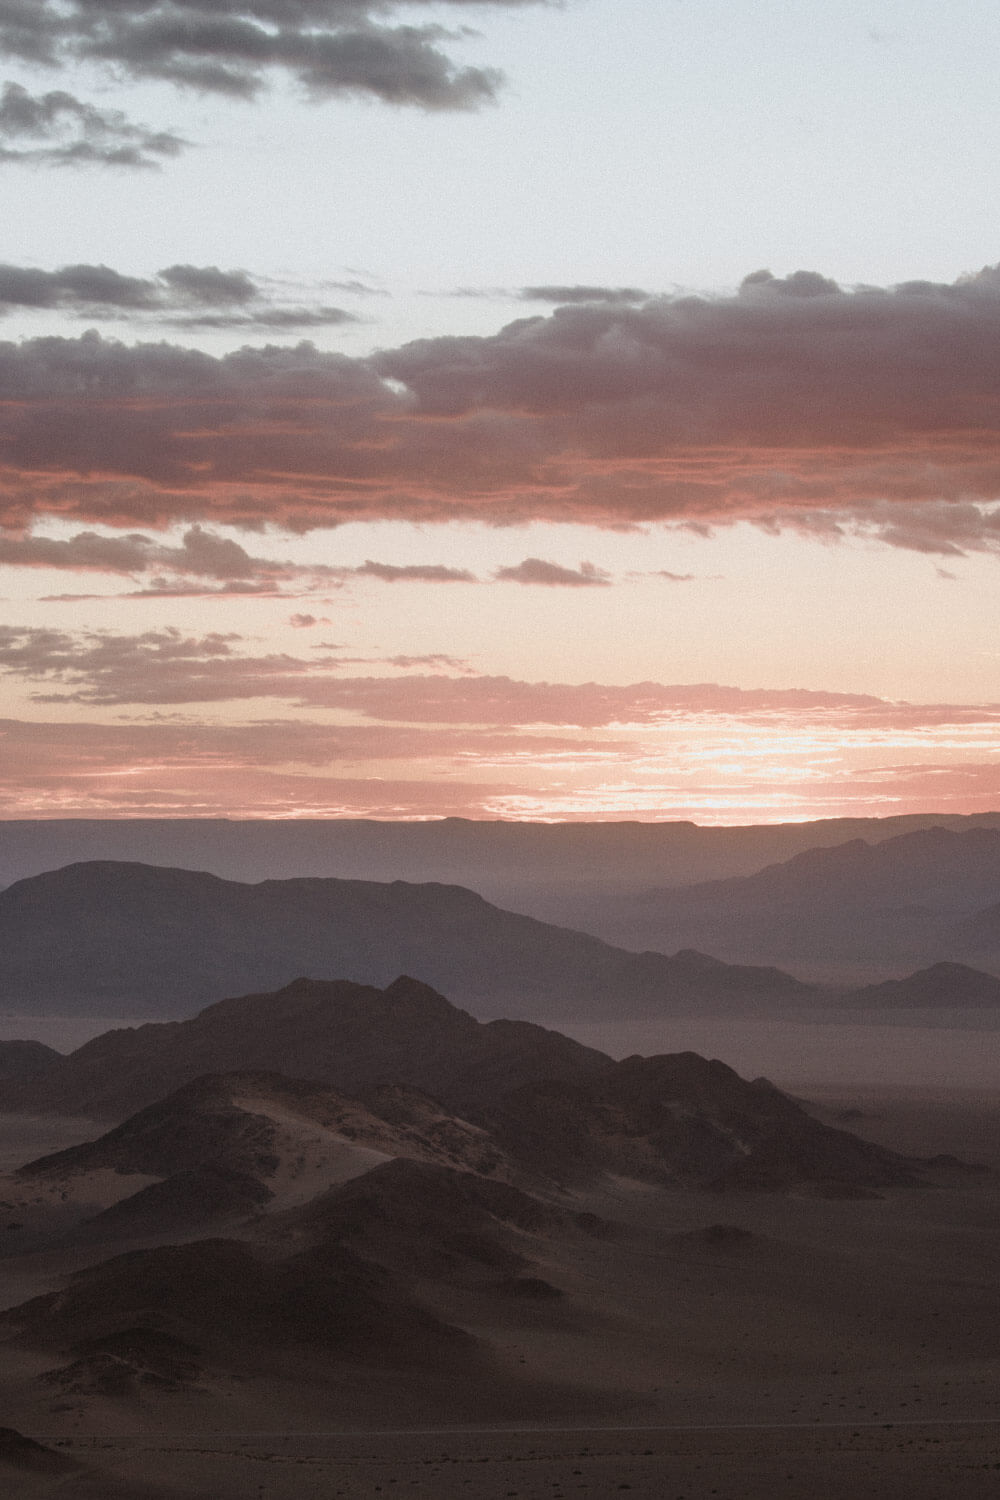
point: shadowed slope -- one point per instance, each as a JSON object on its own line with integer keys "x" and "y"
{"x": 224, "y": 1146}
{"x": 683, "y": 1120}
{"x": 25, "y": 1059}
{"x": 221, "y": 1295}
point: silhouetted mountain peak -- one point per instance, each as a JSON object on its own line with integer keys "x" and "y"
{"x": 942, "y": 986}
{"x": 349, "y": 1037}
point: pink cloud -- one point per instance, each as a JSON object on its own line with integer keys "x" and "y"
{"x": 165, "y": 666}
{"x": 261, "y": 769}
{"x": 286, "y": 768}
{"x": 790, "y": 400}
{"x": 413, "y": 573}
{"x": 307, "y": 622}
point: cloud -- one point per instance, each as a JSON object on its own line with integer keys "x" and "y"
{"x": 791, "y": 403}
{"x": 306, "y": 622}
{"x": 200, "y": 554}
{"x": 563, "y": 294}
{"x": 258, "y": 769}
{"x": 238, "y": 47}
{"x": 181, "y": 296}
{"x": 165, "y": 666}
{"x": 537, "y": 570}
{"x": 202, "y": 562}
{"x": 277, "y": 318}
{"x": 208, "y": 286}
{"x": 413, "y": 573}
{"x": 673, "y": 577}
{"x": 436, "y": 659}
{"x": 948, "y": 528}
{"x": 169, "y": 766}
{"x": 57, "y": 129}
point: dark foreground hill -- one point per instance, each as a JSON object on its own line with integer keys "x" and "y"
{"x": 394, "y": 1247}
{"x": 685, "y": 1121}
{"x": 336, "y": 1274}
{"x": 219, "y": 1294}
{"x": 538, "y": 1102}
{"x": 351, "y": 1037}
{"x": 230, "y": 1145}
{"x": 131, "y": 940}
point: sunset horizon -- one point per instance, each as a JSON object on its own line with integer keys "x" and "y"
{"x": 383, "y": 435}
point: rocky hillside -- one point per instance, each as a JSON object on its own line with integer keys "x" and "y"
{"x": 350, "y": 1037}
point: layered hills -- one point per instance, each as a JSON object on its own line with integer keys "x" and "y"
{"x": 389, "y": 1235}
{"x": 133, "y": 939}
{"x": 854, "y": 911}
{"x": 534, "y": 867}
{"x": 226, "y": 1145}
{"x": 406, "y": 1204}
{"x": 507, "y": 1098}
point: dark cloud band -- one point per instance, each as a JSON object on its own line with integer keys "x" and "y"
{"x": 235, "y": 47}
{"x": 180, "y": 296}
{"x": 791, "y": 403}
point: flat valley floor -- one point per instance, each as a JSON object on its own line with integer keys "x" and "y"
{"x": 740, "y": 1346}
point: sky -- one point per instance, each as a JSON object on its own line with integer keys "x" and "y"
{"x": 499, "y": 410}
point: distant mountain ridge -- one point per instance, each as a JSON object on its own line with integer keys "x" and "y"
{"x": 836, "y": 913}
{"x": 943, "y": 986}
{"x": 132, "y": 939}
{"x": 530, "y": 866}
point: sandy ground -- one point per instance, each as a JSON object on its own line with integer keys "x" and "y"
{"x": 25, "y": 1137}
{"x": 313, "y": 1159}
{"x": 811, "y": 1348}
{"x": 924, "y": 1462}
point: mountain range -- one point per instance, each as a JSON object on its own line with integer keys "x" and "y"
{"x": 841, "y": 915}
{"x": 536, "y": 867}
{"x": 111, "y": 939}
{"x": 107, "y": 939}
{"x": 426, "y": 1082}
